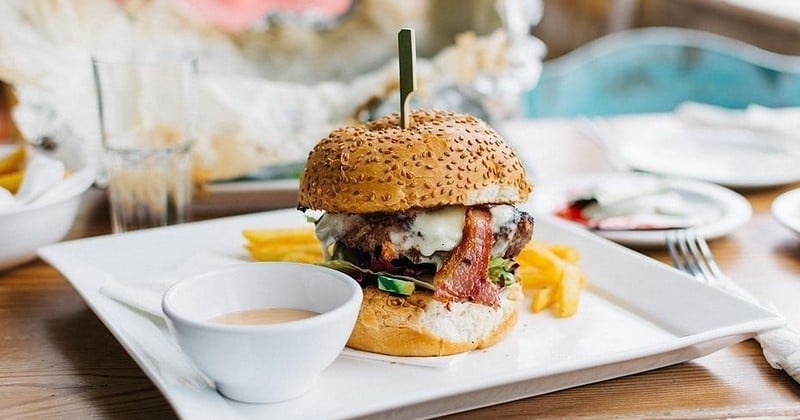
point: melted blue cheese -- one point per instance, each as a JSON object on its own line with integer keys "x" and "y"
{"x": 501, "y": 215}
{"x": 433, "y": 231}
{"x": 441, "y": 230}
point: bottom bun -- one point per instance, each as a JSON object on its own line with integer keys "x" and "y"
{"x": 419, "y": 325}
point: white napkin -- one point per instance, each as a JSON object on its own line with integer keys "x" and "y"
{"x": 41, "y": 174}
{"x": 44, "y": 182}
{"x": 783, "y": 121}
{"x": 146, "y": 297}
{"x": 640, "y": 202}
{"x": 7, "y": 199}
{"x": 781, "y": 346}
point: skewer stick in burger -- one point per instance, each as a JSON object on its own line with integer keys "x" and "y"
{"x": 424, "y": 219}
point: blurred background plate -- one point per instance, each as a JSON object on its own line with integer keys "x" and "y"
{"x": 725, "y": 210}
{"x": 786, "y": 209}
{"x": 271, "y": 187}
{"x": 734, "y": 158}
{"x": 277, "y": 171}
{"x": 246, "y": 196}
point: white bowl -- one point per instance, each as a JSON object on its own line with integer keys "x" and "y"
{"x": 263, "y": 363}
{"x": 45, "y": 221}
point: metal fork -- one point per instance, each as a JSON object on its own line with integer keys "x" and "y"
{"x": 690, "y": 253}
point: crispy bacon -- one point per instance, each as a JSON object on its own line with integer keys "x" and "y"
{"x": 463, "y": 276}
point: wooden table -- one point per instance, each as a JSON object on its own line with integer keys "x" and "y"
{"x": 57, "y": 359}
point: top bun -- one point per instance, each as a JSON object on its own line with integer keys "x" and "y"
{"x": 442, "y": 159}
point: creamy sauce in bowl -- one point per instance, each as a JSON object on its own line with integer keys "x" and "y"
{"x": 262, "y": 316}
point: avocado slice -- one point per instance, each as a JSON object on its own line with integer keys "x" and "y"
{"x": 397, "y": 286}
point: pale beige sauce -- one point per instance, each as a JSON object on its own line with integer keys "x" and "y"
{"x": 262, "y": 316}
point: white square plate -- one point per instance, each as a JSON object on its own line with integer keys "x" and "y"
{"x": 637, "y": 314}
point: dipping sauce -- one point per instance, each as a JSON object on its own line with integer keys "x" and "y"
{"x": 262, "y": 316}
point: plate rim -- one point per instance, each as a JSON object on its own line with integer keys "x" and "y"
{"x": 244, "y": 186}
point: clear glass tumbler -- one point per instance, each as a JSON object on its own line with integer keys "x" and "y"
{"x": 147, "y": 111}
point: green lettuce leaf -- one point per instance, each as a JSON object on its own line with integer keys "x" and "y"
{"x": 348, "y": 267}
{"x": 501, "y": 271}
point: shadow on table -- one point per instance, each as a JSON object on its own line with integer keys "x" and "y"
{"x": 790, "y": 249}
{"x": 104, "y": 375}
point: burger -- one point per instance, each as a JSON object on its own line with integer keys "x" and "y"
{"x": 425, "y": 219}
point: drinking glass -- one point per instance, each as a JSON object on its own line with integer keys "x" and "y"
{"x": 146, "y": 108}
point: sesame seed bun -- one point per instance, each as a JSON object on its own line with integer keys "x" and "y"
{"x": 419, "y": 325}
{"x": 442, "y": 159}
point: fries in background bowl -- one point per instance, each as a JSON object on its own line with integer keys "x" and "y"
{"x": 12, "y": 168}
{"x": 549, "y": 273}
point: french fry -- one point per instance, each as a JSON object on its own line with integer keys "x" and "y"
{"x": 303, "y": 257}
{"x": 291, "y": 244}
{"x": 539, "y": 267}
{"x": 568, "y": 292}
{"x": 566, "y": 253}
{"x": 13, "y": 161}
{"x": 281, "y": 236}
{"x": 12, "y": 180}
{"x": 536, "y": 255}
{"x": 550, "y": 273}
{"x": 535, "y": 278}
{"x": 285, "y": 253}
{"x": 542, "y": 299}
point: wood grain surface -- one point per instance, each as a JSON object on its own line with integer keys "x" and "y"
{"x": 57, "y": 360}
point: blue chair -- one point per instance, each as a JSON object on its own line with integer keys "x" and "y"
{"x": 655, "y": 69}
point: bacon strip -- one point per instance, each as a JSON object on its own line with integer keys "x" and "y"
{"x": 463, "y": 276}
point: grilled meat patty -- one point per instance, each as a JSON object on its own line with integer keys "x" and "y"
{"x": 404, "y": 234}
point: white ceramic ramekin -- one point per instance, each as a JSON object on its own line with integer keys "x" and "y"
{"x": 263, "y": 363}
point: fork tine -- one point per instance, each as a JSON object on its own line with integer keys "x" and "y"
{"x": 690, "y": 253}
{"x": 674, "y": 253}
{"x": 701, "y": 254}
{"x": 678, "y": 252}
{"x": 709, "y": 258}
{"x": 692, "y": 260}
{"x": 686, "y": 255}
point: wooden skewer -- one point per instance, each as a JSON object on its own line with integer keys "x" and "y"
{"x": 407, "y": 53}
